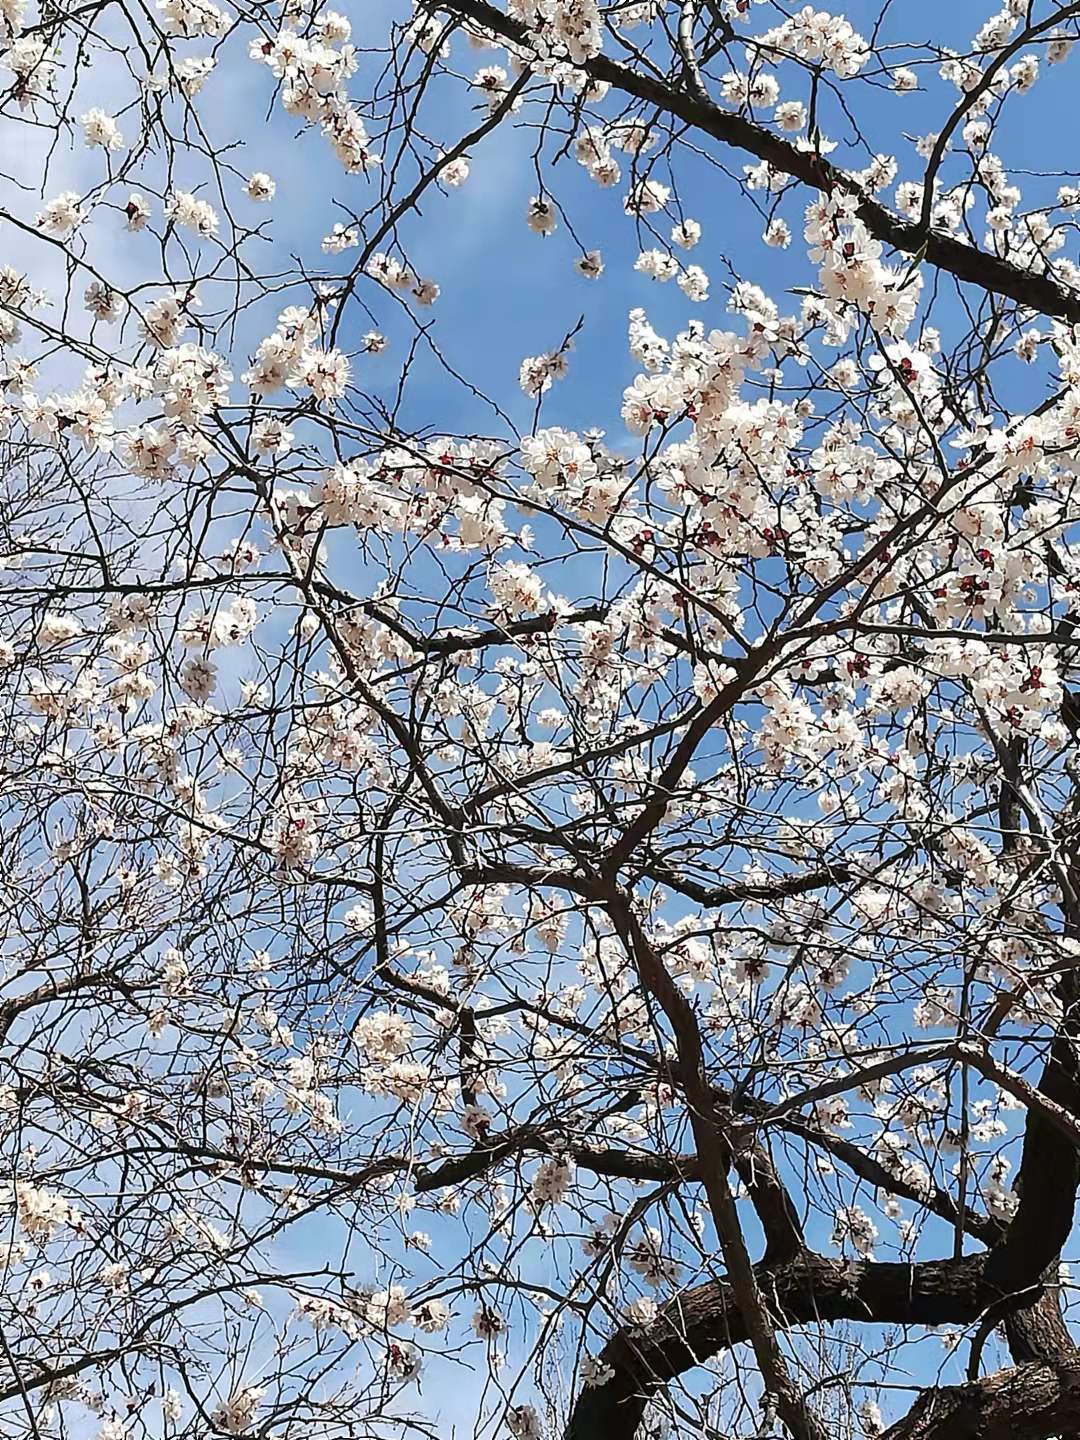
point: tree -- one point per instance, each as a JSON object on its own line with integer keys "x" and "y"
{"x": 512, "y": 928}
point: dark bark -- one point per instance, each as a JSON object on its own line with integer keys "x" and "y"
{"x": 1049, "y": 1173}
{"x": 1028, "y": 1402}
{"x": 1037, "y": 1331}
{"x": 770, "y": 1199}
{"x": 1014, "y": 1282}
{"x": 808, "y": 1289}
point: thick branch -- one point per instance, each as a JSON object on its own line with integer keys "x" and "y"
{"x": 1029, "y": 1402}
{"x": 808, "y": 1289}
{"x": 989, "y": 272}
{"x": 1049, "y": 1171}
{"x": 771, "y": 1201}
{"x": 781, "y": 887}
{"x": 616, "y": 1164}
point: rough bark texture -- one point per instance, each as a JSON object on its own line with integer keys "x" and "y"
{"x": 805, "y": 1290}
{"x": 1049, "y": 1171}
{"x": 1028, "y": 1402}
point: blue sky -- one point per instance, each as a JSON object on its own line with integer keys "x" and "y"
{"x": 507, "y": 293}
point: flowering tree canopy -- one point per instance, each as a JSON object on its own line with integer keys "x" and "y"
{"x": 541, "y": 850}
